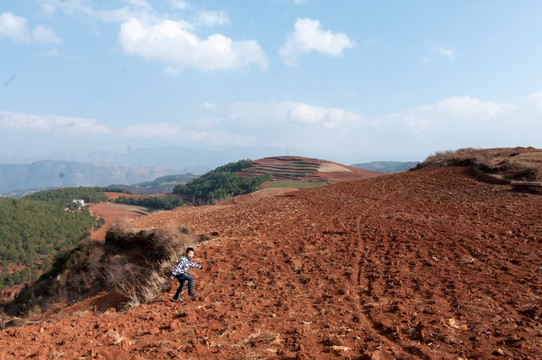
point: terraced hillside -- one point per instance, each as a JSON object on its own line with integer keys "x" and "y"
{"x": 294, "y": 168}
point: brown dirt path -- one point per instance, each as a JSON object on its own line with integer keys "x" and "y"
{"x": 419, "y": 265}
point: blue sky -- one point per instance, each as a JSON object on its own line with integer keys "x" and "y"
{"x": 346, "y": 81}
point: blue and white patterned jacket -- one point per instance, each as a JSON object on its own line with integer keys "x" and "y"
{"x": 184, "y": 265}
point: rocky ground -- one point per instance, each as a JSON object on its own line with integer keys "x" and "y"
{"x": 428, "y": 264}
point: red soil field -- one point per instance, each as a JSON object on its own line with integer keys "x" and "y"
{"x": 111, "y": 213}
{"x": 260, "y": 194}
{"x": 428, "y": 264}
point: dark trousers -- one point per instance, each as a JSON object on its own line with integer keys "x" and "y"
{"x": 182, "y": 278}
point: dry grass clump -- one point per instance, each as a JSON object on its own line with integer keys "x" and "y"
{"x": 260, "y": 337}
{"x": 163, "y": 248}
{"x": 500, "y": 165}
{"x": 135, "y": 263}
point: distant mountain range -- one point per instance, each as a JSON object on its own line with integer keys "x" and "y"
{"x": 50, "y": 173}
{"x": 166, "y": 156}
{"x": 390, "y": 167}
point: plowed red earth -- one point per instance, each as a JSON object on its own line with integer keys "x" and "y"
{"x": 257, "y": 195}
{"x": 111, "y": 213}
{"x": 429, "y": 264}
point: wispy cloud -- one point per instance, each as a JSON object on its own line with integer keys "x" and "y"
{"x": 208, "y": 106}
{"x": 446, "y": 52}
{"x": 289, "y": 114}
{"x": 371, "y": 42}
{"x": 178, "y": 134}
{"x": 456, "y": 111}
{"x": 453, "y": 122}
{"x": 309, "y": 36}
{"x": 212, "y": 18}
{"x": 43, "y": 34}
{"x": 180, "y": 4}
{"x": 16, "y": 28}
{"x": 52, "y": 123}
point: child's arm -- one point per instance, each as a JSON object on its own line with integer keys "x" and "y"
{"x": 195, "y": 265}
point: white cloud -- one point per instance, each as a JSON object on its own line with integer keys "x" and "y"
{"x": 166, "y": 131}
{"x": 329, "y": 118}
{"x": 535, "y": 98}
{"x": 14, "y": 27}
{"x": 309, "y": 36}
{"x": 292, "y": 113}
{"x": 446, "y": 52}
{"x": 51, "y": 123}
{"x": 172, "y": 71}
{"x": 140, "y": 4}
{"x": 307, "y": 126}
{"x": 371, "y": 41}
{"x": 146, "y": 33}
{"x": 456, "y": 112}
{"x": 208, "y": 106}
{"x": 172, "y": 44}
{"x": 133, "y": 9}
{"x": 48, "y": 9}
{"x": 212, "y": 18}
{"x": 43, "y": 34}
{"x": 295, "y": 2}
{"x": 454, "y": 122}
{"x": 180, "y": 4}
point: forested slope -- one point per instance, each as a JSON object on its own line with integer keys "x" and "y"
{"x": 31, "y": 232}
{"x": 221, "y": 183}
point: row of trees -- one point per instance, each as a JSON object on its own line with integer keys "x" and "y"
{"x": 66, "y": 195}
{"x": 153, "y": 202}
{"x": 220, "y": 184}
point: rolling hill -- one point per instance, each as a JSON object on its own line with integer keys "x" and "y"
{"x": 302, "y": 170}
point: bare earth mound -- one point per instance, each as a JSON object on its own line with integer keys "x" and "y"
{"x": 430, "y": 264}
{"x": 493, "y": 165}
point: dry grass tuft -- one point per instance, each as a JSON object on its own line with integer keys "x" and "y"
{"x": 500, "y": 165}
{"x": 134, "y": 263}
{"x": 165, "y": 246}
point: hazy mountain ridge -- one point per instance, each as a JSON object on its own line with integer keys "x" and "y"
{"x": 390, "y": 167}
{"x": 169, "y": 156}
{"x": 50, "y": 173}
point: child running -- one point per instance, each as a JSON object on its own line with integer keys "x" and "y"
{"x": 181, "y": 273}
